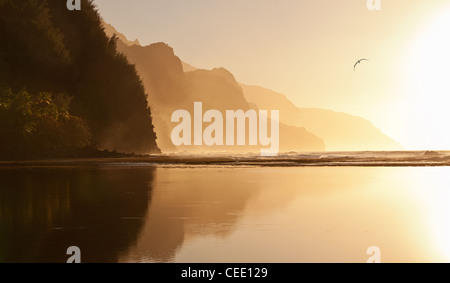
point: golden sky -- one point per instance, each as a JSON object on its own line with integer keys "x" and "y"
{"x": 306, "y": 49}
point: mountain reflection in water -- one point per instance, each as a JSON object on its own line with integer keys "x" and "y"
{"x": 123, "y": 213}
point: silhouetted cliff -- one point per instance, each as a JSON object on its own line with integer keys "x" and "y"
{"x": 340, "y": 131}
{"x": 171, "y": 89}
{"x": 63, "y": 59}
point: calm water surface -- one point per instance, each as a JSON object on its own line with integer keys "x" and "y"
{"x": 122, "y": 213}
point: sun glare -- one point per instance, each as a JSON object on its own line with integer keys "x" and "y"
{"x": 436, "y": 194}
{"x": 428, "y": 77}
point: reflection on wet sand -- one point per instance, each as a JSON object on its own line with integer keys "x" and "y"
{"x": 43, "y": 212}
{"x": 288, "y": 215}
{"x": 123, "y": 213}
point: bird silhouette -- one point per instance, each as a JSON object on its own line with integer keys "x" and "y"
{"x": 359, "y": 61}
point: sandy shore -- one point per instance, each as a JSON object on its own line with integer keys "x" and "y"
{"x": 385, "y": 159}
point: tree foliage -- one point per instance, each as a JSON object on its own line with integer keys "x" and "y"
{"x": 46, "y": 49}
{"x": 39, "y": 124}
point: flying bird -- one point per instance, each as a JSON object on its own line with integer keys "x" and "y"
{"x": 359, "y": 61}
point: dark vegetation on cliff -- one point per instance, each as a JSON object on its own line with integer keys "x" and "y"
{"x": 65, "y": 91}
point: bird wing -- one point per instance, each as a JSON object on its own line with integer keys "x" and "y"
{"x": 359, "y": 61}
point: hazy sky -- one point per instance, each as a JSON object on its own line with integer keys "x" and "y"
{"x": 306, "y": 49}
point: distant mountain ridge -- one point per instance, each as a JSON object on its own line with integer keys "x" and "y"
{"x": 170, "y": 89}
{"x": 340, "y": 131}
{"x": 173, "y": 84}
{"x": 110, "y": 30}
